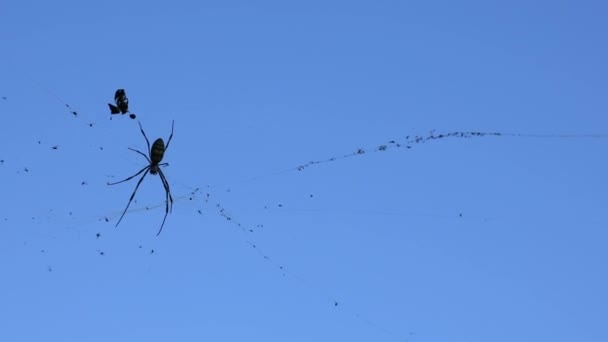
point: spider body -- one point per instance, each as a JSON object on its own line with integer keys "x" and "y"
{"x": 156, "y": 154}
{"x": 154, "y": 158}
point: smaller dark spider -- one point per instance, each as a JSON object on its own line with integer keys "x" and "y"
{"x": 156, "y": 154}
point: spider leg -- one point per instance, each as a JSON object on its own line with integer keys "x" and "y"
{"x": 162, "y": 224}
{"x": 167, "y": 189}
{"x": 168, "y": 199}
{"x": 142, "y": 132}
{"x": 143, "y": 154}
{"x": 133, "y": 194}
{"x": 171, "y": 136}
{"x": 135, "y": 175}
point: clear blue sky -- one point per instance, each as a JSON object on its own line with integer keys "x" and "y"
{"x": 480, "y": 239}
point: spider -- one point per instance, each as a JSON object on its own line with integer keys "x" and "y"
{"x": 156, "y": 154}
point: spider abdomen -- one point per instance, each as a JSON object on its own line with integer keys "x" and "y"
{"x": 157, "y": 151}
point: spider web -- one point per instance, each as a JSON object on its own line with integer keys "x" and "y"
{"x": 204, "y": 199}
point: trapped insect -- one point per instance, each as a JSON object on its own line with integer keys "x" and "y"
{"x": 122, "y": 103}
{"x": 154, "y": 158}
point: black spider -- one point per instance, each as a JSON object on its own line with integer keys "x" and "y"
{"x": 156, "y": 154}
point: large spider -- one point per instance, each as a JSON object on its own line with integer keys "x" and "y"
{"x": 156, "y": 154}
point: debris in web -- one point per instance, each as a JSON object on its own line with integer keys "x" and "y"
{"x": 121, "y": 104}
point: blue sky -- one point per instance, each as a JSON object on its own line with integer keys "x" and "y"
{"x": 495, "y": 238}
